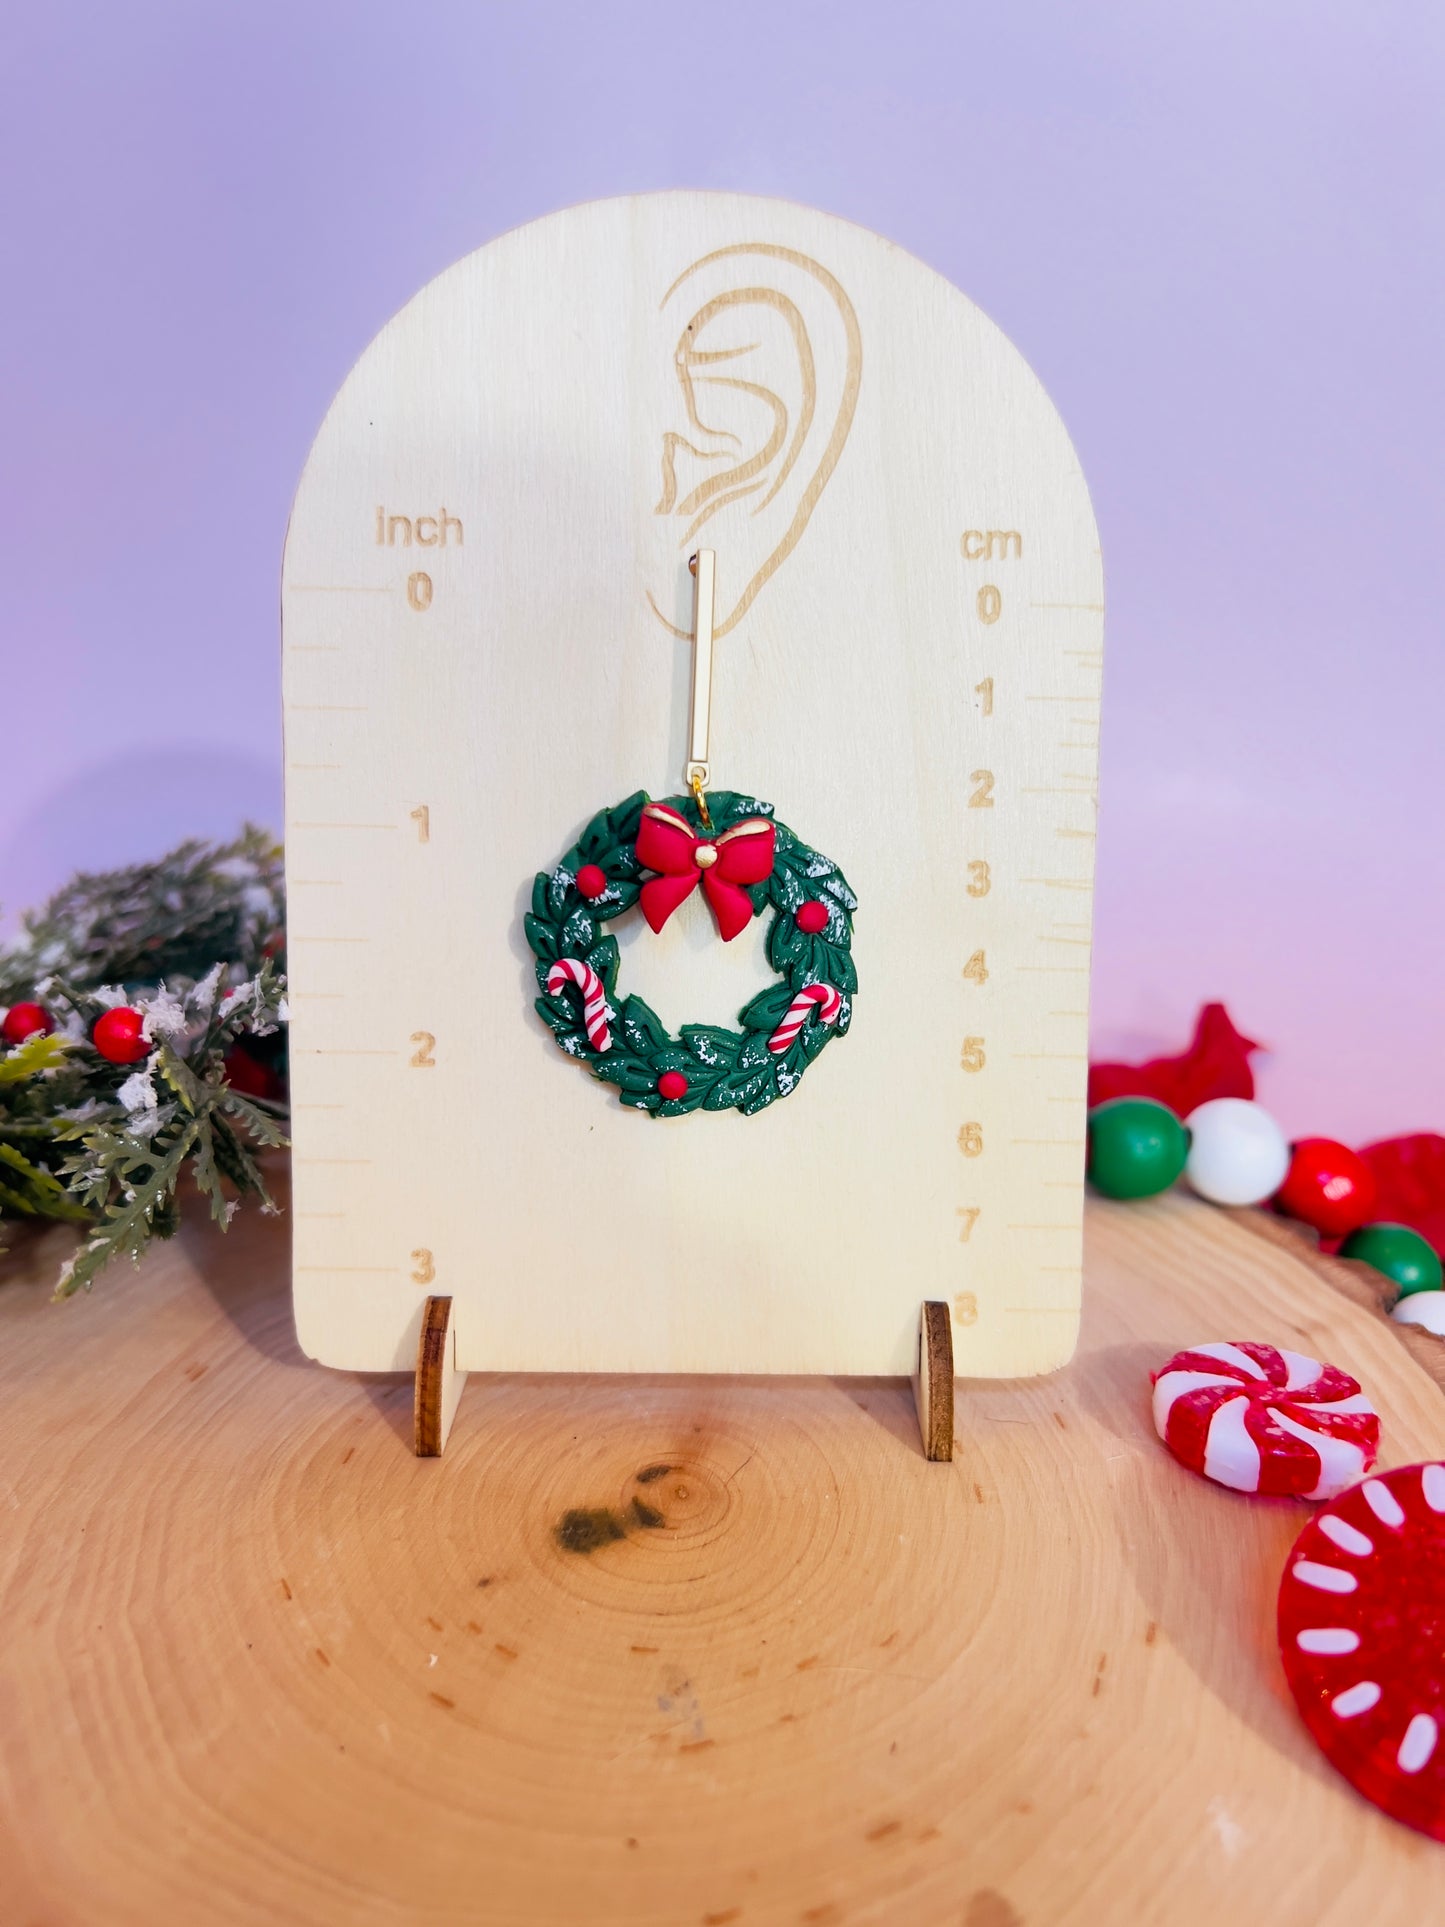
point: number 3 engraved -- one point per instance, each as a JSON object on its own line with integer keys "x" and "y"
{"x": 979, "y": 880}
{"x": 423, "y": 1269}
{"x": 421, "y": 1057}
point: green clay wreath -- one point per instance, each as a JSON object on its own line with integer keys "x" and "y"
{"x": 655, "y": 855}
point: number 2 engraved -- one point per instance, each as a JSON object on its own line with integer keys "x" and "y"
{"x": 979, "y": 880}
{"x": 970, "y": 1140}
{"x": 421, "y": 816}
{"x": 976, "y": 970}
{"x": 973, "y": 1058}
{"x": 965, "y": 1308}
{"x": 423, "y": 1268}
{"x": 982, "y": 798}
{"x": 967, "y": 1218}
{"x": 990, "y": 603}
{"x": 985, "y": 689}
{"x": 418, "y": 590}
{"x": 421, "y": 1057}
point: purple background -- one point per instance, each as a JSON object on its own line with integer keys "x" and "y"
{"x": 1218, "y": 239}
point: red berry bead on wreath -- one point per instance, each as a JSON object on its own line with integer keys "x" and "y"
{"x": 653, "y": 856}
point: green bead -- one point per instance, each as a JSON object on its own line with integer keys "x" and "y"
{"x": 1402, "y": 1254}
{"x": 1137, "y": 1148}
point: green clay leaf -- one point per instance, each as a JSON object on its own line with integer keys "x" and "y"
{"x": 542, "y": 938}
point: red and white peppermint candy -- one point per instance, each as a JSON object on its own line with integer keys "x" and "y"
{"x": 1263, "y": 1420}
{"x": 829, "y": 1003}
{"x": 1361, "y": 1618}
{"x": 571, "y": 970}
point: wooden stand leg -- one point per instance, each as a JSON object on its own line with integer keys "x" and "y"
{"x": 933, "y": 1384}
{"x": 438, "y": 1382}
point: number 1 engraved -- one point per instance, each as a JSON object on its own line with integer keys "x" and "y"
{"x": 985, "y": 689}
{"x": 423, "y": 1269}
{"x": 968, "y": 1215}
{"x": 421, "y": 1057}
{"x": 421, "y": 816}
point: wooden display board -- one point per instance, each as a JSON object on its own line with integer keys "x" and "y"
{"x": 487, "y": 612}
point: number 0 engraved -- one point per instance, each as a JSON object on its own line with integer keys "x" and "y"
{"x": 421, "y": 1057}
{"x": 967, "y": 1219}
{"x": 421, "y": 816}
{"x": 965, "y": 1308}
{"x": 976, "y": 970}
{"x": 973, "y": 1058}
{"x": 990, "y": 603}
{"x": 970, "y": 1140}
{"x": 979, "y": 880}
{"x": 418, "y": 590}
{"x": 982, "y": 798}
{"x": 423, "y": 1269}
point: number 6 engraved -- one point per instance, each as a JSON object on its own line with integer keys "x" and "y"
{"x": 970, "y": 1140}
{"x": 421, "y": 1057}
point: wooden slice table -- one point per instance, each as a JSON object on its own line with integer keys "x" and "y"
{"x": 641, "y": 1652}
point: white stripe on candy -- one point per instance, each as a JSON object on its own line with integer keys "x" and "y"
{"x": 571, "y": 970}
{"x": 829, "y": 1002}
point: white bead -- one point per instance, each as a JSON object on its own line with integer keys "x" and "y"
{"x": 1425, "y": 1308}
{"x": 1237, "y": 1153}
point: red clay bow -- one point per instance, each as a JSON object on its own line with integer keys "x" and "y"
{"x": 669, "y": 844}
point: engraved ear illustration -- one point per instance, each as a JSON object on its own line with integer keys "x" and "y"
{"x": 766, "y": 364}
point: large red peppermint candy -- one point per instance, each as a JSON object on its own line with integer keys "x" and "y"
{"x": 1362, "y": 1636}
{"x": 1263, "y": 1420}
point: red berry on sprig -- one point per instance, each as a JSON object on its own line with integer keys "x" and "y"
{"x": 591, "y": 881}
{"x": 812, "y": 917}
{"x": 671, "y": 1086}
{"x": 26, "y": 1020}
{"x": 119, "y": 1036}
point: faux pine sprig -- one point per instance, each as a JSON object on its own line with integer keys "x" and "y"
{"x": 106, "y": 1145}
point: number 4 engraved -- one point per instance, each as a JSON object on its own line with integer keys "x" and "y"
{"x": 976, "y": 970}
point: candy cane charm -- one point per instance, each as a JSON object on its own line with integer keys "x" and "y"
{"x": 829, "y": 1004}
{"x": 571, "y": 970}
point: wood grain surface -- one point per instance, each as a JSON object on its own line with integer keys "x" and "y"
{"x": 659, "y": 1654}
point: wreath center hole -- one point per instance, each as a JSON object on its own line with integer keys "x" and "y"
{"x": 687, "y": 973}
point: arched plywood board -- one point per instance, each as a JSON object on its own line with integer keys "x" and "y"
{"x": 486, "y": 615}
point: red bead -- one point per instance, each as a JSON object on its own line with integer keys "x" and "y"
{"x": 1329, "y": 1186}
{"x": 591, "y": 881}
{"x": 672, "y": 1085}
{"x": 812, "y": 917}
{"x": 117, "y": 1036}
{"x": 24, "y": 1020}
